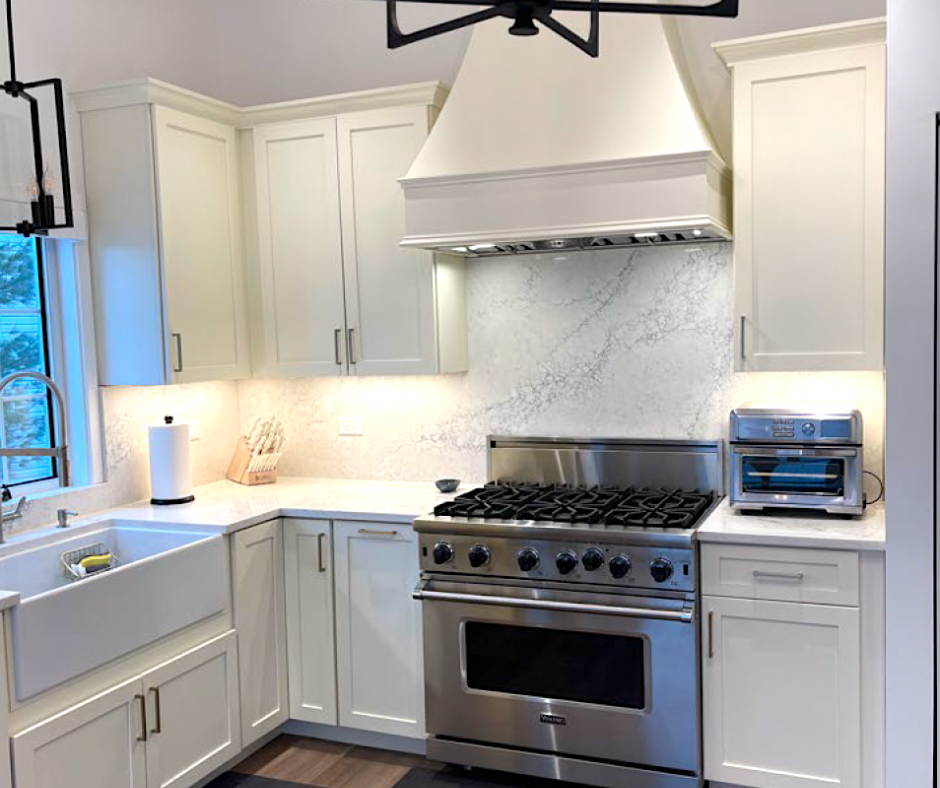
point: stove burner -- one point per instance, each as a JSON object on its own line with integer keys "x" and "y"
{"x": 604, "y": 506}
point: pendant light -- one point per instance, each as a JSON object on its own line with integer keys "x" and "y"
{"x": 527, "y": 15}
{"x": 42, "y": 202}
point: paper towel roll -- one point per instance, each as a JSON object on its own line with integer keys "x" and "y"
{"x": 171, "y": 477}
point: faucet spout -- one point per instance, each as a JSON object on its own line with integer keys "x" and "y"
{"x": 61, "y": 451}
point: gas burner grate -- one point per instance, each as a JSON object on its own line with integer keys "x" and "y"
{"x": 603, "y": 506}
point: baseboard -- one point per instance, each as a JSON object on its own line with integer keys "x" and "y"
{"x": 381, "y": 741}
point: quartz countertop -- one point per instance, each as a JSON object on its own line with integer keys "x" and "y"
{"x": 227, "y": 507}
{"x": 803, "y": 529}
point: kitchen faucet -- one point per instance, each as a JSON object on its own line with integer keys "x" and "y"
{"x": 60, "y": 452}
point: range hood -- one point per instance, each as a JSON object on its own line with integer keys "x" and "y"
{"x": 540, "y": 148}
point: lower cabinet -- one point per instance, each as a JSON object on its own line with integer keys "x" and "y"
{"x": 788, "y": 683}
{"x": 354, "y": 631}
{"x": 258, "y": 572}
{"x": 171, "y": 727}
{"x": 380, "y": 681}
{"x": 308, "y": 571}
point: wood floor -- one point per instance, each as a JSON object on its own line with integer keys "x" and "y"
{"x": 297, "y": 761}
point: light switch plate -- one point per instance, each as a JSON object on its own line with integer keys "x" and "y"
{"x": 350, "y": 425}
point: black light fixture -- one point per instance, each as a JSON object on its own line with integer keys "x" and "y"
{"x": 526, "y": 13}
{"x": 42, "y": 202}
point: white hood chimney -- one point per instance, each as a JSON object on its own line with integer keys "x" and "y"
{"x": 541, "y": 147}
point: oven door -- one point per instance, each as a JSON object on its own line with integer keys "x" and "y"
{"x": 812, "y": 477}
{"x": 590, "y": 675}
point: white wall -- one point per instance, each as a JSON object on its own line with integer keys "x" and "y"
{"x": 913, "y": 101}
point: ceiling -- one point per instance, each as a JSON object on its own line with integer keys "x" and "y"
{"x": 283, "y": 49}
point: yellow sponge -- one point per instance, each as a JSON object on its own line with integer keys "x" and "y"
{"x": 92, "y": 562}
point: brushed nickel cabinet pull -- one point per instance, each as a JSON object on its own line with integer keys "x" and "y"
{"x": 179, "y": 352}
{"x": 143, "y": 717}
{"x": 795, "y": 576}
{"x": 743, "y": 329}
{"x": 353, "y": 358}
{"x": 337, "y": 346}
{"x": 320, "y": 565}
{"x": 158, "y": 723}
{"x": 371, "y": 532}
{"x": 711, "y": 636}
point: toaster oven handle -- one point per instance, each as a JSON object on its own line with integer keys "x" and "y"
{"x": 685, "y": 616}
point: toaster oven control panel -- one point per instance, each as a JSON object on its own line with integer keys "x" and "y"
{"x": 767, "y": 427}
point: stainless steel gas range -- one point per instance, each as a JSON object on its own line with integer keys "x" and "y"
{"x": 560, "y": 615}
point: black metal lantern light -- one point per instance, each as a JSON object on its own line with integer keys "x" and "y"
{"x": 42, "y": 202}
{"x": 527, "y": 15}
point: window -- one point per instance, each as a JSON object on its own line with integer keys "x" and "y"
{"x": 26, "y": 406}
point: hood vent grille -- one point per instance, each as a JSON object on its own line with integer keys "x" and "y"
{"x": 632, "y": 241}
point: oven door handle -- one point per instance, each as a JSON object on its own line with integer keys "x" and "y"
{"x": 685, "y": 616}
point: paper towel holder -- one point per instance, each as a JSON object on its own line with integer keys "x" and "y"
{"x": 168, "y": 420}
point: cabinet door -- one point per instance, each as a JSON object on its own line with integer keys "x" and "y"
{"x": 192, "y": 715}
{"x": 259, "y": 620}
{"x": 96, "y": 744}
{"x": 200, "y": 237}
{"x": 378, "y": 629}
{"x": 782, "y": 694}
{"x": 300, "y": 253}
{"x": 389, "y": 289}
{"x": 809, "y": 136}
{"x": 310, "y": 631}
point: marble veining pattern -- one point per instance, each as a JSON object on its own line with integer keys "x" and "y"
{"x": 604, "y": 343}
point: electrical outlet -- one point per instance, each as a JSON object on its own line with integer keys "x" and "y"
{"x": 350, "y": 425}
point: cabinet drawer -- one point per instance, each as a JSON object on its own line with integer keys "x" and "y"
{"x": 827, "y": 577}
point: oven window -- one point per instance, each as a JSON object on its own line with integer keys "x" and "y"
{"x": 793, "y": 475}
{"x": 549, "y": 663}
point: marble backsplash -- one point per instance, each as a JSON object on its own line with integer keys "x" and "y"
{"x": 126, "y": 412}
{"x": 604, "y": 343}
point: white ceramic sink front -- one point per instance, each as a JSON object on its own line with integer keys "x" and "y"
{"x": 167, "y": 580}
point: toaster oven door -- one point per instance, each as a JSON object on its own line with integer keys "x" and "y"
{"x": 807, "y": 477}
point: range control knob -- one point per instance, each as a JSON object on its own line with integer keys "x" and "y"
{"x": 528, "y": 559}
{"x": 619, "y": 567}
{"x": 809, "y": 429}
{"x": 443, "y": 553}
{"x": 479, "y": 555}
{"x": 661, "y": 569}
{"x": 566, "y": 561}
{"x": 593, "y": 559}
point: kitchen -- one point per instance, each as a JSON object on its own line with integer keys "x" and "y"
{"x": 612, "y": 341}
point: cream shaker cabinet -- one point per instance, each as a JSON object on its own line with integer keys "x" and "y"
{"x": 809, "y": 204}
{"x": 337, "y": 294}
{"x": 792, "y": 667}
{"x": 165, "y": 240}
{"x": 258, "y": 577}
{"x": 379, "y": 646}
{"x": 308, "y": 570}
{"x": 169, "y": 728}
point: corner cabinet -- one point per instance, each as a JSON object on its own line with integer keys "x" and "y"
{"x": 258, "y": 576}
{"x": 337, "y": 293}
{"x": 165, "y": 235}
{"x": 809, "y": 197}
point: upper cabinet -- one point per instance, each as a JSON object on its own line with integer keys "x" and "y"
{"x": 165, "y": 236}
{"x": 809, "y": 184}
{"x": 336, "y": 292}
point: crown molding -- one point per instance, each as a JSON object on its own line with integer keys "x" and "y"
{"x": 845, "y": 35}
{"x": 153, "y": 91}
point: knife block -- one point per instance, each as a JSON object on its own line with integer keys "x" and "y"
{"x": 238, "y": 468}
